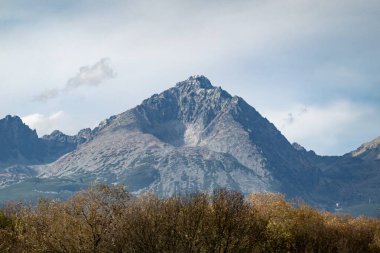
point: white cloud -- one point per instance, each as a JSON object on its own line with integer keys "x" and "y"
{"x": 92, "y": 75}
{"x": 324, "y": 128}
{"x": 87, "y": 76}
{"x": 45, "y": 124}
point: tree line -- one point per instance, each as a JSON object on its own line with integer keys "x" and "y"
{"x": 109, "y": 219}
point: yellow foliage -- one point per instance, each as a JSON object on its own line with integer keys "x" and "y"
{"x": 108, "y": 219}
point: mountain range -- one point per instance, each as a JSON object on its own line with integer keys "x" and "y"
{"x": 192, "y": 137}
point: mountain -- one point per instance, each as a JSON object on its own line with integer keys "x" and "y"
{"x": 20, "y": 148}
{"x": 191, "y": 137}
{"x": 21, "y": 145}
{"x": 18, "y": 143}
{"x": 352, "y": 180}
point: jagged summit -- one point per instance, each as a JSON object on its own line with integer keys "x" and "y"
{"x": 196, "y": 82}
{"x": 180, "y": 115}
{"x": 14, "y": 123}
{"x": 14, "y": 118}
{"x": 17, "y": 141}
{"x": 10, "y": 121}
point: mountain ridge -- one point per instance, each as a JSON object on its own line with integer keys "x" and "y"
{"x": 195, "y": 137}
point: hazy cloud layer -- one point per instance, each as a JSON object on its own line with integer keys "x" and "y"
{"x": 87, "y": 76}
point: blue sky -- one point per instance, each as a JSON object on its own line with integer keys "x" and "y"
{"x": 310, "y": 67}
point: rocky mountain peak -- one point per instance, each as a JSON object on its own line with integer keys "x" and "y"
{"x": 21, "y": 145}
{"x": 195, "y": 82}
{"x": 14, "y": 122}
{"x": 10, "y": 118}
{"x": 187, "y": 102}
{"x": 193, "y": 136}
{"x": 17, "y": 140}
{"x": 12, "y": 126}
{"x": 369, "y": 150}
{"x": 180, "y": 114}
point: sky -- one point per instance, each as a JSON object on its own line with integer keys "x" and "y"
{"x": 310, "y": 67}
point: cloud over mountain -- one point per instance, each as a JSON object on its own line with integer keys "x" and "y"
{"x": 92, "y": 75}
